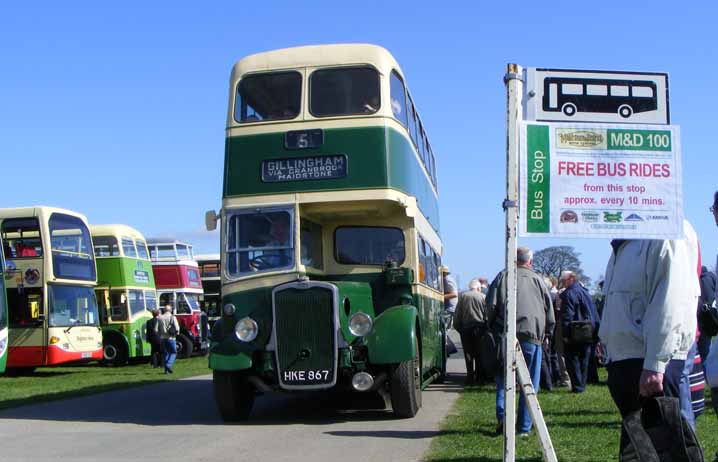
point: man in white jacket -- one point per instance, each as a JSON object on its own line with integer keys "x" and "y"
{"x": 648, "y": 324}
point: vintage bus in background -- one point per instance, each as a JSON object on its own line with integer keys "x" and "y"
{"x": 330, "y": 241}
{"x": 50, "y": 277}
{"x": 209, "y": 272}
{"x": 125, "y": 291}
{"x": 3, "y": 313}
{"x": 179, "y": 285}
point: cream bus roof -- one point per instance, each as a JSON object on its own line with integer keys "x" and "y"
{"x": 206, "y": 257}
{"x": 116, "y": 230}
{"x": 40, "y": 211}
{"x": 317, "y": 55}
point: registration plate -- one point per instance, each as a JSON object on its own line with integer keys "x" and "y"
{"x": 305, "y": 376}
{"x": 86, "y": 355}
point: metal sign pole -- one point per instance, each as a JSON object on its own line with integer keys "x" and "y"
{"x": 514, "y": 85}
{"x": 514, "y": 357}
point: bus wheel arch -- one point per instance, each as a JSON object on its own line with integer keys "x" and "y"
{"x": 569, "y": 109}
{"x": 625, "y": 111}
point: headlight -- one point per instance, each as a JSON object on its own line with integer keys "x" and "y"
{"x": 360, "y": 324}
{"x": 246, "y": 329}
{"x": 229, "y": 309}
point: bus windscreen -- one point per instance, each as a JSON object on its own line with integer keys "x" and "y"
{"x": 72, "y": 254}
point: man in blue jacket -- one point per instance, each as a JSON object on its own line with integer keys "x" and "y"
{"x": 577, "y": 309}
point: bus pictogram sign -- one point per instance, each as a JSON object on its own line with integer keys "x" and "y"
{"x": 560, "y": 95}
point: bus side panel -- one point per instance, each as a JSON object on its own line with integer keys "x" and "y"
{"x": 392, "y": 338}
{"x": 430, "y": 329}
{"x": 167, "y": 276}
{"x": 110, "y": 273}
{"x": 406, "y": 174}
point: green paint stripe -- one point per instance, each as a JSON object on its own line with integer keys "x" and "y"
{"x": 538, "y": 178}
{"x": 639, "y": 140}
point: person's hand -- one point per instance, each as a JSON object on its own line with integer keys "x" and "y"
{"x": 650, "y": 384}
{"x": 546, "y": 343}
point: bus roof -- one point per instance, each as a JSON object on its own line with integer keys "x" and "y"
{"x": 317, "y": 55}
{"x": 166, "y": 241}
{"x": 40, "y": 211}
{"x": 116, "y": 230}
{"x": 206, "y": 257}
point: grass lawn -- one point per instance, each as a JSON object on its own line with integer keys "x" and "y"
{"x": 51, "y": 383}
{"x": 583, "y": 428}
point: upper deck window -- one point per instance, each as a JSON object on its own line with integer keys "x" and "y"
{"x": 142, "y": 250}
{"x": 128, "y": 247}
{"x": 72, "y": 256}
{"x": 209, "y": 270}
{"x": 259, "y": 240}
{"x": 344, "y": 91}
{"x": 269, "y": 96}
{"x": 164, "y": 252}
{"x": 21, "y": 238}
{"x": 365, "y": 245}
{"x": 183, "y": 252}
{"x": 106, "y": 246}
{"x": 398, "y": 99}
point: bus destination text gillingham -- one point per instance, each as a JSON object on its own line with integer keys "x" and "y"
{"x": 305, "y": 168}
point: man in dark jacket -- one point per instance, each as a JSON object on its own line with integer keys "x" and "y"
{"x": 708, "y": 295}
{"x": 577, "y": 307}
{"x": 470, "y": 320}
{"x": 534, "y": 325}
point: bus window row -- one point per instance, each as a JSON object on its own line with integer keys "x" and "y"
{"x": 108, "y": 246}
{"x": 429, "y": 264}
{"x": 124, "y": 304}
{"x": 183, "y": 303}
{"x": 262, "y": 240}
{"x": 342, "y": 91}
{"x": 70, "y": 244}
{"x": 170, "y": 252}
{"x": 67, "y": 306}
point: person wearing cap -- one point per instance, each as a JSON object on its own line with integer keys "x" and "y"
{"x": 168, "y": 329}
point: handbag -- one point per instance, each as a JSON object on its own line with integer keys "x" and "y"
{"x": 659, "y": 433}
{"x": 581, "y": 331}
{"x": 172, "y": 329}
{"x": 708, "y": 320}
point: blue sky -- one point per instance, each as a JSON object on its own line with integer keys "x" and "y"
{"x": 117, "y": 110}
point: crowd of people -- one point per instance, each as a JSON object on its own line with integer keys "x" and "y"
{"x": 641, "y": 323}
{"x": 162, "y": 332}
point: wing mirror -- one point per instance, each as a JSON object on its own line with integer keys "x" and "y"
{"x": 210, "y": 220}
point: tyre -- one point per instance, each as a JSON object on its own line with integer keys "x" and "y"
{"x": 233, "y": 394}
{"x": 625, "y": 111}
{"x": 114, "y": 352}
{"x": 569, "y": 109}
{"x": 184, "y": 346}
{"x": 444, "y": 358}
{"x": 405, "y": 386}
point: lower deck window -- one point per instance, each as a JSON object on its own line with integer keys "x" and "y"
{"x": 259, "y": 241}
{"x": 365, "y": 245}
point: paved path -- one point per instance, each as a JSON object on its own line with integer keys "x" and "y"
{"x": 177, "y": 421}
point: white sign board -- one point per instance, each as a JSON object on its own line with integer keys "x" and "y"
{"x": 596, "y": 96}
{"x": 600, "y": 180}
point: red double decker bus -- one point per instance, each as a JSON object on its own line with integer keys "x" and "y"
{"x": 179, "y": 285}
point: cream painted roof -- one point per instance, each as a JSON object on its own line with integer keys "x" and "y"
{"x": 38, "y": 211}
{"x": 206, "y": 257}
{"x": 317, "y": 55}
{"x": 116, "y": 230}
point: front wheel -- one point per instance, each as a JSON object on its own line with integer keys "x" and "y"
{"x": 184, "y": 346}
{"x": 233, "y": 394}
{"x": 114, "y": 352}
{"x": 405, "y": 386}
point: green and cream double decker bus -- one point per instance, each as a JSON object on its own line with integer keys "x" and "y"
{"x": 125, "y": 291}
{"x": 50, "y": 275}
{"x": 330, "y": 246}
{"x": 3, "y": 313}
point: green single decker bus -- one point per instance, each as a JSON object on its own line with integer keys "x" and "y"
{"x": 330, "y": 246}
{"x": 125, "y": 291}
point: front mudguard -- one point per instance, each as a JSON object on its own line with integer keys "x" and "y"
{"x": 392, "y": 339}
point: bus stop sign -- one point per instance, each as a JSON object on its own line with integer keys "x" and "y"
{"x": 560, "y": 95}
